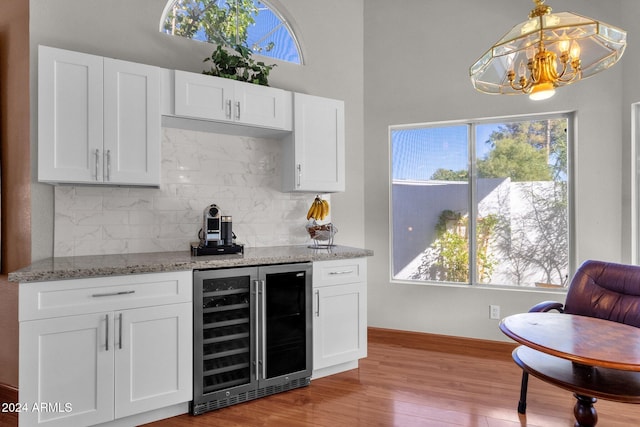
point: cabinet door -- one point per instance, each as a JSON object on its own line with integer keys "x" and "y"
{"x": 339, "y": 324}
{"x": 262, "y": 106}
{"x": 70, "y": 116}
{"x": 153, "y": 362}
{"x": 66, "y": 364}
{"x": 202, "y": 96}
{"x": 285, "y": 310}
{"x": 318, "y": 145}
{"x": 131, "y": 123}
{"x": 225, "y": 100}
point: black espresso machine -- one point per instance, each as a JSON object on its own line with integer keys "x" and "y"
{"x": 216, "y": 235}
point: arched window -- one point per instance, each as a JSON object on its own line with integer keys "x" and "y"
{"x": 250, "y": 23}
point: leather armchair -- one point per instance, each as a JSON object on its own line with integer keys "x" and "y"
{"x": 598, "y": 289}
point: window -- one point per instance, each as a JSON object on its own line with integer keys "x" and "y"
{"x": 250, "y": 23}
{"x": 481, "y": 202}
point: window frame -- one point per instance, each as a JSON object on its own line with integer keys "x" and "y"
{"x": 572, "y": 126}
{"x": 269, "y": 4}
{"x": 276, "y": 11}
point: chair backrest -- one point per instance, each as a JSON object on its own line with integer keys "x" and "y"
{"x": 607, "y": 291}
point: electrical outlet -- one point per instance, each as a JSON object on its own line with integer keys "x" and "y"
{"x": 494, "y": 312}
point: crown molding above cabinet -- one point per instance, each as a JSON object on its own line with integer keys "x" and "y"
{"x": 99, "y": 121}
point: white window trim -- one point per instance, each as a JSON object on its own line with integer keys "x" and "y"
{"x": 572, "y": 119}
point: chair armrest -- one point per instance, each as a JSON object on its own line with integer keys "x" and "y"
{"x": 547, "y": 306}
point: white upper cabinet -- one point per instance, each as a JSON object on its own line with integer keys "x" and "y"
{"x": 70, "y": 111}
{"x": 314, "y": 154}
{"x": 98, "y": 120}
{"x": 212, "y": 98}
{"x": 132, "y": 123}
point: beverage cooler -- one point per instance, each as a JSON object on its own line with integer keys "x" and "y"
{"x": 252, "y": 333}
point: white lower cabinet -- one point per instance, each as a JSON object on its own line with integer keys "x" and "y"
{"x": 64, "y": 362}
{"x": 87, "y": 369}
{"x": 150, "y": 371}
{"x": 339, "y": 315}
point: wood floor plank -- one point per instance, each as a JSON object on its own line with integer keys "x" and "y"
{"x": 412, "y": 379}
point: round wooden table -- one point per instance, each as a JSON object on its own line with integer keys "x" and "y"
{"x": 594, "y": 358}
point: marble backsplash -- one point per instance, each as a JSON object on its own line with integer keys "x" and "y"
{"x": 239, "y": 174}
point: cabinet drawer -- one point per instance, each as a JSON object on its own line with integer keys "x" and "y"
{"x": 327, "y": 273}
{"x": 43, "y": 300}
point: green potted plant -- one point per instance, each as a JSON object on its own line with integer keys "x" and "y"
{"x": 240, "y": 66}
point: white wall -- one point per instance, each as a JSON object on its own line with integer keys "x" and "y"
{"x": 414, "y": 69}
{"x": 630, "y": 95}
{"x": 128, "y": 30}
{"x": 417, "y": 56}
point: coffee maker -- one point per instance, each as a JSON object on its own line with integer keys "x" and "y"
{"x": 212, "y": 226}
{"x": 216, "y": 234}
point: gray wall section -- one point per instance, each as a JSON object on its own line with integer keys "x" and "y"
{"x": 417, "y": 58}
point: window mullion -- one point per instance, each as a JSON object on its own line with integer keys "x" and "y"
{"x": 471, "y": 222}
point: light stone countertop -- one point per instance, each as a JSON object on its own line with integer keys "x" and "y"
{"x": 122, "y": 264}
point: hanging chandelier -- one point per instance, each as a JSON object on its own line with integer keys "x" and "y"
{"x": 547, "y": 51}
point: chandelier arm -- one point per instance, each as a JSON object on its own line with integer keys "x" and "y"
{"x": 523, "y": 84}
{"x": 563, "y": 72}
{"x": 576, "y": 75}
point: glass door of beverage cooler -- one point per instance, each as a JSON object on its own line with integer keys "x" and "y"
{"x": 286, "y": 321}
{"x": 224, "y": 333}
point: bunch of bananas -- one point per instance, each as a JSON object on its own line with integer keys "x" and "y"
{"x": 319, "y": 209}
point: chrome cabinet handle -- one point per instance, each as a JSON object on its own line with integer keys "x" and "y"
{"x": 334, "y": 273}
{"x": 110, "y": 294}
{"x": 263, "y": 361}
{"x": 97, "y": 163}
{"x": 228, "y": 109}
{"x": 106, "y": 344}
{"x": 257, "y": 325}
{"x": 108, "y": 154}
{"x": 299, "y": 174}
{"x": 318, "y": 303}
{"x": 238, "y": 110}
{"x": 120, "y": 332}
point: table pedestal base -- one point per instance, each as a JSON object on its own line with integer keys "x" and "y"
{"x": 586, "y": 382}
{"x": 584, "y": 411}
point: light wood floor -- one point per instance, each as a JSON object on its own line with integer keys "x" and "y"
{"x": 411, "y": 379}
